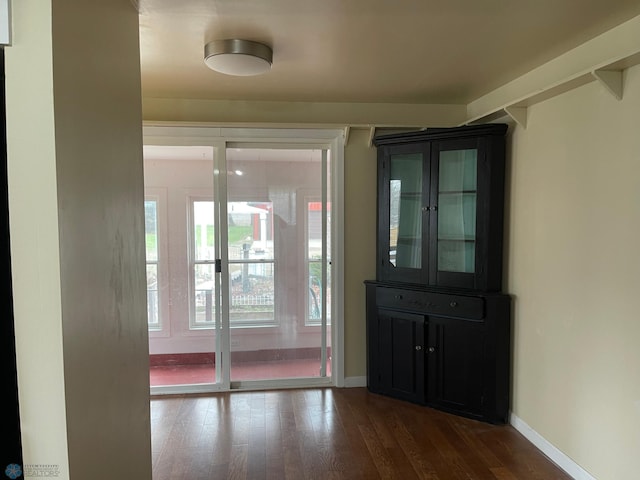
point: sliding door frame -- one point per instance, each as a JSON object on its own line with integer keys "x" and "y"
{"x": 219, "y": 138}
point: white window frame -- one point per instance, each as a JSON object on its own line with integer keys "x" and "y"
{"x": 159, "y": 195}
{"x": 192, "y": 262}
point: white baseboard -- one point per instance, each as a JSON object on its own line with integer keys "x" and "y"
{"x": 350, "y": 382}
{"x": 558, "y": 457}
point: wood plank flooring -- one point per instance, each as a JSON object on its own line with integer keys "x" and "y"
{"x": 326, "y": 434}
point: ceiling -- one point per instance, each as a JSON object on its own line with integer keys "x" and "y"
{"x": 380, "y": 51}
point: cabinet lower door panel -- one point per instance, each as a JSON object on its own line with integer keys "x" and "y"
{"x": 401, "y": 354}
{"x": 455, "y": 365}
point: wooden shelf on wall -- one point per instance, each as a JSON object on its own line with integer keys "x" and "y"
{"x": 608, "y": 74}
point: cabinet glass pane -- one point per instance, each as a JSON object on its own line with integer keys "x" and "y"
{"x": 457, "y": 216}
{"x": 456, "y": 256}
{"x": 457, "y": 200}
{"x": 405, "y": 211}
{"x": 458, "y": 170}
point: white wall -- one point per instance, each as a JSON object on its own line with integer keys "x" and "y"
{"x": 573, "y": 268}
{"x": 77, "y": 229}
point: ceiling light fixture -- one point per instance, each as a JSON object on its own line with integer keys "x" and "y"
{"x": 238, "y": 57}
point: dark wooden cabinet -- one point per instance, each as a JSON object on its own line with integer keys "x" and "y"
{"x": 440, "y": 207}
{"x": 438, "y": 326}
{"x": 447, "y": 350}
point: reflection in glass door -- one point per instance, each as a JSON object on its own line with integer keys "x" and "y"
{"x": 277, "y": 224}
{"x": 405, "y": 217}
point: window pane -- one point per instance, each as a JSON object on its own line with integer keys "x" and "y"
{"x": 314, "y": 312}
{"x": 315, "y": 292}
{"x": 152, "y": 295}
{"x": 314, "y": 230}
{"x": 204, "y": 238}
{"x": 151, "y": 229}
{"x": 250, "y": 230}
{"x": 252, "y": 293}
{"x": 314, "y": 262}
{"x": 251, "y": 267}
{"x": 204, "y": 294}
{"x": 204, "y": 288}
{"x": 151, "y": 251}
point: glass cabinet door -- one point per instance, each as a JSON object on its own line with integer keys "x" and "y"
{"x": 457, "y": 201}
{"x": 441, "y": 198}
{"x": 405, "y": 210}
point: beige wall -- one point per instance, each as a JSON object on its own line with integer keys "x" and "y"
{"x": 574, "y": 223}
{"x": 77, "y": 237}
{"x": 359, "y": 245}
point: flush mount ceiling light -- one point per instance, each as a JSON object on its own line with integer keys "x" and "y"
{"x": 238, "y": 57}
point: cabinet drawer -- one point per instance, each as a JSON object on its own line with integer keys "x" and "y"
{"x": 431, "y": 303}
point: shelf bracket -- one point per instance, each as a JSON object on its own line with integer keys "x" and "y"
{"x": 347, "y": 131}
{"x": 611, "y": 80}
{"x": 372, "y": 133}
{"x": 519, "y": 114}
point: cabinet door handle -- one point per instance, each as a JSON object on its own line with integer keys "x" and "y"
{"x": 453, "y": 304}
{"x": 398, "y": 297}
{"x": 432, "y": 349}
{"x": 418, "y": 347}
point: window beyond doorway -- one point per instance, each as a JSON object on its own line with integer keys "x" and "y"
{"x": 251, "y": 264}
{"x": 151, "y": 242}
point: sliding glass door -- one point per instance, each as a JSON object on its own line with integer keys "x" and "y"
{"x": 181, "y": 249}
{"x": 238, "y": 264}
{"x": 277, "y": 224}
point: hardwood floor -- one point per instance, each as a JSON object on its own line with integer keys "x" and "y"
{"x": 327, "y": 433}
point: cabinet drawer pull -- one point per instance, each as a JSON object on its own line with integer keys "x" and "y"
{"x": 418, "y": 347}
{"x": 398, "y": 297}
{"x": 432, "y": 349}
{"x": 453, "y": 304}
